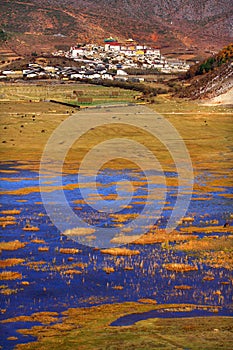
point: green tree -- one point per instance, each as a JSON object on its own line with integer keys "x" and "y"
{"x": 3, "y": 35}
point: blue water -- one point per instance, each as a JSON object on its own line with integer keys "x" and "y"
{"x": 131, "y": 319}
{"x": 52, "y": 290}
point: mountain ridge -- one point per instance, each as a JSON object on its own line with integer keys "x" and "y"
{"x": 172, "y": 24}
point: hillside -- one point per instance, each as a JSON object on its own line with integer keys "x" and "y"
{"x": 189, "y": 26}
{"x": 210, "y": 78}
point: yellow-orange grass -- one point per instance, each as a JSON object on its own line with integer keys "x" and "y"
{"x": 31, "y": 228}
{"x": 42, "y": 317}
{"x": 207, "y": 229}
{"x": 72, "y": 272}
{"x": 110, "y": 196}
{"x": 11, "y": 212}
{"x": 179, "y": 267}
{"x": 25, "y": 283}
{"x": 218, "y": 259}
{"x": 120, "y": 251}
{"x": 10, "y": 275}
{"x": 226, "y": 195}
{"x": 43, "y": 249}
{"x": 108, "y": 269}
{"x": 12, "y": 245}
{"x": 161, "y": 236}
{"x": 5, "y": 223}
{"x": 69, "y": 250}
{"x": 147, "y": 301}
{"x": 183, "y": 287}
{"x": 206, "y": 243}
{"x": 37, "y": 241}
{"x": 117, "y": 287}
{"x": 123, "y": 217}
{"x": 7, "y": 218}
{"x": 8, "y": 291}
{"x": 208, "y": 278}
{"x": 11, "y": 262}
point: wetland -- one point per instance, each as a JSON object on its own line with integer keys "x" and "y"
{"x": 158, "y": 289}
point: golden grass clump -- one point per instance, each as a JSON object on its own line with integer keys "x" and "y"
{"x": 70, "y": 258}
{"x": 72, "y": 272}
{"x": 218, "y": 259}
{"x": 43, "y": 249}
{"x": 11, "y": 262}
{"x": 10, "y": 275}
{"x": 206, "y": 244}
{"x": 69, "y": 250}
{"x": 8, "y": 291}
{"x": 147, "y": 301}
{"x": 80, "y": 264}
{"x": 38, "y": 241}
{"x": 123, "y": 217}
{"x": 79, "y": 231}
{"x": 187, "y": 220}
{"x": 120, "y": 251}
{"x": 12, "y": 245}
{"x": 32, "y": 264}
{"x": 7, "y": 222}
{"x": 117, "y": 287}
{"x": 30, "y": 228}
{"x": 25, "y": 283}
{"x": 42, "y": 317}
{"x": 161, "y": 236}
{"x": 183, "y": 287}
{"x": 207, "y": 229}
{"x": 12, "y": 338}
{"x": 128, "y": 268}
{"x": 11, "y": 212}
{"x": 110, "y": 196}
{"x": 179, "y": 267}
{"x": 108, "y": 269}
{"x": 124, "y": 239}
{"x": 7, "y": 218}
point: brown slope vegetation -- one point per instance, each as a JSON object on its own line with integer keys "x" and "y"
{"x": 170, "y": 24}
{"x": 212, "y": 77}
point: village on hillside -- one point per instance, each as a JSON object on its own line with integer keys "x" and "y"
{"x": 107, "y": 62}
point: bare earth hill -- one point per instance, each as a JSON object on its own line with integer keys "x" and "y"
{"x": 174, "y": 25}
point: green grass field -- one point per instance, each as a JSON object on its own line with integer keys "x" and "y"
{"x": 64, "y": 92}
{"x": 89, "y": 329}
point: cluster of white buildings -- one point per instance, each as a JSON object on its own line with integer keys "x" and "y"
{"x": 125, "y": 55}
{"x": 130, "y": 48}
{"x": 113, "y": 46}
{"x": 103, "y": 62}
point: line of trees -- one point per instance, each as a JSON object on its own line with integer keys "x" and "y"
{"x": 145, "y": 89}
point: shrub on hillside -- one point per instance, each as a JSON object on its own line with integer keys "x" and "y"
{"x": 225, "y": 55}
